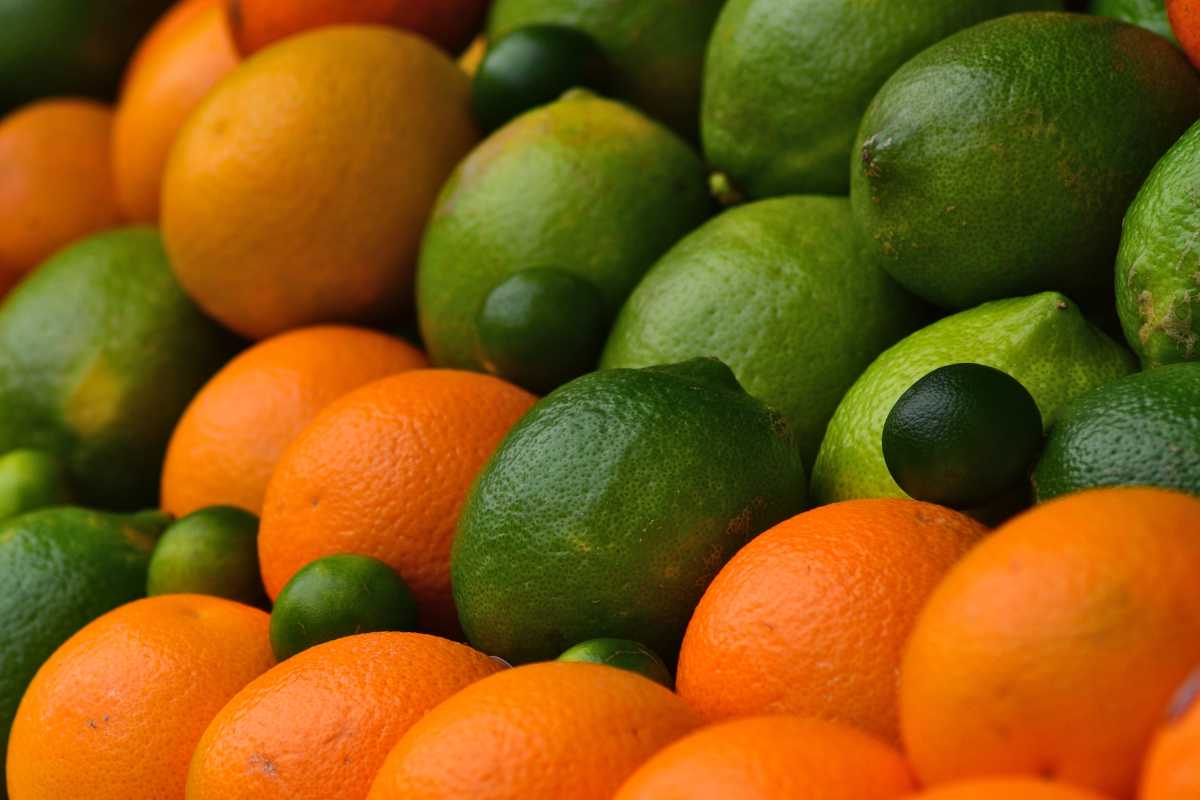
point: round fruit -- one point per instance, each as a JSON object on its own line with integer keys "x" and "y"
{"x": 1042, "y": 341}
{"x": 339, "y": 596}
{"x": 318, "y": 726}
{"x": 290, "y": 198}
{"x": 128, "y": 352}
{"x": 1006, "y": 789}
{"x": 383, "y": 472}
{"x": 963, "y": 435}
{"x": 175, "y": 67}
{"x": 29, "y": 480}
{"x": 995, "y": 100}
{"x": 1142, "y": 430}
{"x": 1172, "y": 770}
{"x": 212, "y": 551}
{"x": 115, "y": 713}
{"x": 603, "y": 193}
{"x": 56, "y": 185}
{"x": 767, "y": 757}
{"x": 1184, "y": 16}
{"x": 611, "y": 505}
{"x": 780, "y": 292}
{"x": 623, "y": 654}
{"x": 229, "y": 440}
{"x": 1020, "y": 663}
{"x": 1150, "y": 14}
{"x": 539, "y": 732}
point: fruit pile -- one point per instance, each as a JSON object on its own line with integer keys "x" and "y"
{"x": 592, "y": 399}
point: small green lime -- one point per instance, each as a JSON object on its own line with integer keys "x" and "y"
{"x": 623, "y": 654}
{"x": 211, "y": 551}
{"x": 533, "y": 66}
{"x": 339, "y": 596}
{"x": 962, "y": 436}
{"x": 29, "y": 480}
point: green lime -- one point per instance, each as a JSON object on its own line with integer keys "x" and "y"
{"x": 339, "y": 596}
{"x": 29, "y": 480}
{"x": 1143, "y": 430}
{"x": 1150, "y": 14}
{"x": 532, "y": 66}
{"x": 210, "y": 551}
{"x": 623, "y": 654}
{"x": 962, "y": 436}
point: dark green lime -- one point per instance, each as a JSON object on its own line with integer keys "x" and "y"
{"x": 623, "y": 654}
{"x": 29, "y": 480}
{"x": 339, "y": 596}
{"x": 210, "y": 551}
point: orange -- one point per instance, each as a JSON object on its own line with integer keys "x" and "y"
{"x": 56, "y": 181}
{"x": 812, "y": 616}
{"x": 229, "y": 439}
{"x": 1054, "y": 647}
{"x": 175, "y": 66}
{"x": 317, "y": 726}
{"x": 115, "y": 713}
{"x": 540, "y": 732}
{"x": 1185, "y": 24}
{"x": 384, "y": 472}
{"x": 763, "y": 758}
{"x": 1172, "y": 770}
{"x": 1006, "y": 789}
{"x": 298, "y": 190}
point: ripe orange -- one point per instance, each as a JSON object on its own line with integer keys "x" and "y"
{"x": 1053, "y": 648}
{"x": 117, "y": 710}
{"x": 175, "y": 66}
{"x": 229, "y": 439}
{"x": 1185, "y": 24}
{"x": 1172, "y": 770}
{"x": 812, "y": 616}
{"x": 538, "y": 732}
{"x": 762, "y": 758}
{"x": 1006, "y": 789}
{"x": 317, "y": 726}
{"x": 56, "y": 182}
{"x": 383, "y": 472}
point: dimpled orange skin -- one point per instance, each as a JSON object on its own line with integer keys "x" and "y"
{"x": 1006, "y": 789}
{"x": 1172, "y": 770}
{"x": 1053, "y": 648}
{"x": 384, "y": 472}
{"x": 229, "y": 439}
{"x": 811, "y": 617}
{"x": 56, "y": 182}
{"x": 538, "y": 732}
{"x": 764, "y": 758}
{"x": 175, "y": 66}
{"x": 115, "y": 713}
{"x": 317, "y": 726}
{"x": 1185, "y": 24}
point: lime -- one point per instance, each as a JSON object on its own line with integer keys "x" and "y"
{"x": 623, "y": 654}
{"x": 29, "y": 480}
{"x": 211, "y": 551}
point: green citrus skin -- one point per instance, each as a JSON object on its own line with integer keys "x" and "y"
{"x": 782, "y": 292}
{"x": 1143, "y": 430}
{"x": 29, "y": 480}
{"x": 211, "y": 551}
{"x": 610, "y": 506}
{"x": 60, "y": 569}
{"x": 623, "y": 654}
{"x": 129, "y": 351}
{"x": 585, "y": 185}
{"x": 655, "y": 47}
{"x": 1150, "y": 14}
{"x": 1001, "y": 160}
{"x": 786, "y": 83}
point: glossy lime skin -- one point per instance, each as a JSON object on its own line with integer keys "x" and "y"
{"x": 1150, "y": 14}
{"x": 623, "y": 654}
{"x": 211, "y": 551}
{"x": 339, "y": 596}
{"x": 29, "y": 480}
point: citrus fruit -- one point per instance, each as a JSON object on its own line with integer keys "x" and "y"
{"x": 611, "y": 505}
{"x": 785, "y": 84}
{"x": 1020, "y": 664}
{"x": 656, "y": 47}
{"x": 962, "y": 436}
{"x": 1042, "y": 340}
{"x": 1172, "y": 769}
{"x": 29, "y": 480}
{"x": 115, "y": 713}
{"x": 57, "y": 183}
{"x": 338, "y": 596}
{"x": 603, "y": 192}
{"x": 175, "y": 66}
{"x": 290, "y": 198}
{"x": 318, "y": 726}
{"x": 62, "y": 568}
{"x": 624, "y": 654}
{"x": 780, "y": 291}
{"x": 1184, "y": 16}
{"x": 995, "y": 100}
{"x": 538, "y": 732}
{"x": 760, "y": 758}
{"x": 1143, "y": 430}
{"x": 128, "y": 352}
{"x": 383, "y": 472}
{"x": 1150, "y": 14}
{"x": 811, "y": 617}
{"x": 1006, "y": 789}
{"x": 233, "y": 432}
{"x": 211, "y": 551}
